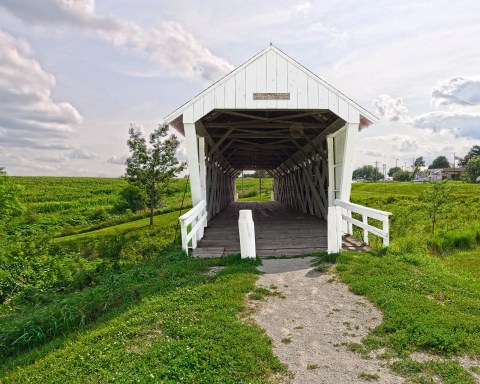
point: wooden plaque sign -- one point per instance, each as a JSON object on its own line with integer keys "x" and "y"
{"x": 271, "y": 96}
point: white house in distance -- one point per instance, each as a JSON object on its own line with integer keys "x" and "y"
{"x": 273, "y": 114}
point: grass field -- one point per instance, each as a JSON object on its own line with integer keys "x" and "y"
{"x": 120, "y": 301}
{"x": 69, "y": 205}
{"x": 429, "y": 293}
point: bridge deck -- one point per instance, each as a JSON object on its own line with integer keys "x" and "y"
{"x": 279, "y": 231}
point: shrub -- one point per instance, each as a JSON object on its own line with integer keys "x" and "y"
{"x": 131, "y": 197}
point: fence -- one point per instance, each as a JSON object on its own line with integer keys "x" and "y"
{"x": 196, "y": 221}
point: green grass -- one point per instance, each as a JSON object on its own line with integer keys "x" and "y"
{"x": 426, "y": 286}
{"x": 71, "y": 205}
{"x": 167, "y": 219}
{"x": 122, "y": 303}
{"x": 251, "y": 189}
{"x": 182, "y": 333}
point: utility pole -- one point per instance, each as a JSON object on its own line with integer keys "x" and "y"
{"x": 396, "y": 163}
{"x": 384, "y": 172}
{"x": 376, "y": 169}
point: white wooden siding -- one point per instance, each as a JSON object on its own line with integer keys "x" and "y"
{"x": 271, "y": 72}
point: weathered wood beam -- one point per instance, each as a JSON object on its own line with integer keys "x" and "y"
{"x": 219, "y": 142}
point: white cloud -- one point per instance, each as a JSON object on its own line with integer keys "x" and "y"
{"x": 181, "y": 153}
{"x": 303, "y": 8}
{"x": 373, "y": 153}
{"x": 28, "y": 114}
{"x": 390, "y": 108}
{"x": 171, "y": 46}
{"x": 458, "y": 91}
{"x": 459, "y": 123}
{"x": 331, "y": 32}
{"x": 120, "y": 159}
{"x": 81, "y": 154}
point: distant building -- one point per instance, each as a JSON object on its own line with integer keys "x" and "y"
{"x": 446, "y": 174}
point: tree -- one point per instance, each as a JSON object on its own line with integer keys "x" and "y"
{"x": 402, "y": 175}
{"x": 393, "y": 170}
{"x": 131, "y": 197}
{"x": 367, "y": 172}
{"x": 439, "y": 162}
{"x": 472, "y": 169}
{"x": 419, "y": 162}
{"x": 152, "y": 167}
{"x": 10, "y": 204}
{"x": 438, "y": 201}
{"x": 474, "y": 151}
{"x": 260, "y": 175}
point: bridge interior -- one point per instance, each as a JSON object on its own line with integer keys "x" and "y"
{"x": 279, "y": 231}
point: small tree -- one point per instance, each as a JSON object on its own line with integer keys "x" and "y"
{"x": 474, "y": 151}
{"x": 151, "y": 168}
{"x": 367, "y": 172}
{"x": 472, "y": 169}
{"x": 402, "y": 176}
{"x": 133, "y": 198}
{"x": 419, "y": 162}
{"x": 438, "y": 201}
{"x": 393, "y": 170}
{"x": 439, "y": 162}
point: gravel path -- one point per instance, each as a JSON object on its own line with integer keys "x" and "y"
{"x": 313, "y": 324}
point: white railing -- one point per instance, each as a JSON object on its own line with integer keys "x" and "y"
{"x": 366, "y": 213}
{"x": 197, "y": 219}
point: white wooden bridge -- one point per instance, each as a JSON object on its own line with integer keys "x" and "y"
{"x": 273, "y": 114}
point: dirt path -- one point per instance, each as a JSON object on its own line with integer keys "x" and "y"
{"x": 315, "y": 321}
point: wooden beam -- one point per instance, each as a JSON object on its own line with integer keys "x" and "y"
{"x": 219, "y": 142}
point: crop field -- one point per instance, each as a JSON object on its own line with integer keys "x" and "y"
{"x": 113, "y": 298}
{"x": 68, "y": 205}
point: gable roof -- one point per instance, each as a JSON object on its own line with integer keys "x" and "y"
{"x": 270, "y": 71}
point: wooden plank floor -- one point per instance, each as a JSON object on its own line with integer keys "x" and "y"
{"x": 279, "y": 231}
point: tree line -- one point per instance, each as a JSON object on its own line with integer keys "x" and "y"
{"x": 470, "y": 163}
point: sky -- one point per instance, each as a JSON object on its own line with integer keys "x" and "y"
{"x": 75, "y": 74}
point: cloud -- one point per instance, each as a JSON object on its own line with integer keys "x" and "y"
{"x": 121, "y": 159}
{"x": 390, "y": 108}
{"x": 81, "y": 154}
{"x": 405, "y": 144}
{"x": 458, "y": 91}
{"x": 170, "y": 46}
{"x": 373, "y": 153}
{"x": 303, "y": 8}
{"x": 181, "y": 153}
{"x": 459, "y": 123}
{"x": 28, "y": 114}
{"x": 330, "y": 32}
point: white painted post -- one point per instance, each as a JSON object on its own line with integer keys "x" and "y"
{"x": 365, "y": 230}
{"x": 334, "y": 224}
{"x": 350, "y": 145}
{"x": 349, "y": 225}
{"x": 386, "y": 239}
{"x": 331, "y": 171}
{"x": 183, "y": 229}
{"x": 192, "y": 152}
{"x": 246, "y": 229}
{"x": 201, "y": 166}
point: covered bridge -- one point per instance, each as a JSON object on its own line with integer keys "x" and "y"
{"x": 273, "y": 114}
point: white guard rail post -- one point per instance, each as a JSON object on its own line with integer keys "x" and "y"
{"x": 197, "y": 217}
{"x": 366, "y": 213}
